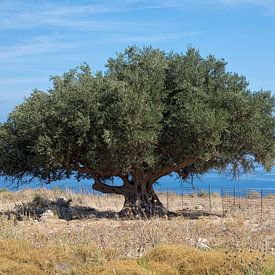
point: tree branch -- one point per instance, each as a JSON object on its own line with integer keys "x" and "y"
{"x": 167, "y": 170}
{"x": 126, "y": 180}
{"x": 105, "y": 188}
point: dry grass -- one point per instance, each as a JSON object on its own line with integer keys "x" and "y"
{"x": 188, "y": 260}
{"x": 106, "y": 202}
{"x": 110, "y": 246}
{"x": 19, "y": 257}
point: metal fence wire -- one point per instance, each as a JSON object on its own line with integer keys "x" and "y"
{"x": 249, "y": 200}
{"x": 225, "y": 201}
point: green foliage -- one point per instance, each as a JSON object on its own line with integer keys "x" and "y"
{"x": 150, "y": 109}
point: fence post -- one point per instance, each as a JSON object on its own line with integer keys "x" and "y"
{"x": 182, "y": 199}
{"x": 234, "y": 192}
{"x": 167, "y": 204}
{"x": 222, "y": 194}
{"x": 262, "y": 196}
{"x": 209, "y": 195}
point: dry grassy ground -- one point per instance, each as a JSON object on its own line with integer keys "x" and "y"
{"x": 234, "y": 244}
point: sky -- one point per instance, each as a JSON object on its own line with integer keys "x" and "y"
{"x": 39, "y": 39}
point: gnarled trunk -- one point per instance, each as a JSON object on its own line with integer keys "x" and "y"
{"x": 137, "y": 188}
{"x": 141, "y": 201}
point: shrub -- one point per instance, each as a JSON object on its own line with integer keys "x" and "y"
{"x": 202, "y": 194}
{"x": 253, "y": 195}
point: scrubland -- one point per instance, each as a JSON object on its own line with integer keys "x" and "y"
{"x": 105, "y": 244}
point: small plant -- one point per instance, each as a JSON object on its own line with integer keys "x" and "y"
{"x": 253, "y": 195}
{"x": 40, "y": 201}
{"x": 202, "y": 194}
{"x": 57, "y": 189}
{"x": 215, "y": 195}
{"x": 5, "y": 194}
{"x": 4, "y": 190}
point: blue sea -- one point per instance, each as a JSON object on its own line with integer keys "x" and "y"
{"x": 258, "y": 180}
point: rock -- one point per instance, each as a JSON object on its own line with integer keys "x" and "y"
{"x": 202, "y": 240}
{"x": 203, "y": 244}
{"x": 48, "y": 214}
{"x": 199, "y": 207}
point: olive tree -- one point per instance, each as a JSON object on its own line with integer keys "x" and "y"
{"x": 149, "y": 114}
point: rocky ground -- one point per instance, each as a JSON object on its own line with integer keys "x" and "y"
{"x": 63, "y": 219}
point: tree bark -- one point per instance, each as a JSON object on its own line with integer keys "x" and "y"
{"x": 141, "y": 201}
{"x": 137, "y": 189}
{"x": 105, "y": 188}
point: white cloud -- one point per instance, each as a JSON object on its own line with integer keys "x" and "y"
{"x": 54, "y": 44}
{"x": 254, "y": 2}
{"x": 37, "y": 45}
{"x": 80, "y": 25}
{"x": 268, "y": 4}
{"x": 19, "y": 80}
{"x": 27, "y": 15}
{"x": 54, "y": 14}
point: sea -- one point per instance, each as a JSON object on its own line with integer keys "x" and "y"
{"x": 212, "y": 181}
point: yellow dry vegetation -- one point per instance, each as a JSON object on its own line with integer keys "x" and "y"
{"x": 187, "y": 260}
{"x": 113, "y": 246}
{"x": 20, "y": 257}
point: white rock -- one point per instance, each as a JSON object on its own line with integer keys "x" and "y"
{"x": 203, "y": 243}
{"x": 48, "y": 214}
{"x": 203, "y": 246}
{"x": 202, "y": 240}
{"x": 199, "y": 207}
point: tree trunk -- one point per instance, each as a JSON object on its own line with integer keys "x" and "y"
{"x": 137, "y": 188}
{"x": 141, "y": 201}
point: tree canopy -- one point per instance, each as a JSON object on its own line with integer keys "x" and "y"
{"x": 150, "y": 113}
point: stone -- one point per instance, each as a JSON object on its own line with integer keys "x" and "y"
{"x": 48, "y": 214}
{"x": 203, "y": 244}
{"x": 199, "y": 207}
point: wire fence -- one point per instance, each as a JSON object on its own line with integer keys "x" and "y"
{"x": 260, "y": 202}
{"x": 187, "y": 198}
{"x": 228, "y": 201}
{"x": 250, "y": 201}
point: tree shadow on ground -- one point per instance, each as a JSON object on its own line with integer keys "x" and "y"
{"x": 41, "y": 208}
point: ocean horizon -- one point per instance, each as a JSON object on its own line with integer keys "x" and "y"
{"x": 257, "y": 180}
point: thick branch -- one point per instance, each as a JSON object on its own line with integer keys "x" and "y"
{"x": 176, "y": 168}
{"x": 168, "y": 170}
{"x": 126, "y": 180}
{"x": 105, "y": 188}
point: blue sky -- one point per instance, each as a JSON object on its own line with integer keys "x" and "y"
{"x": 43, "y": 38}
